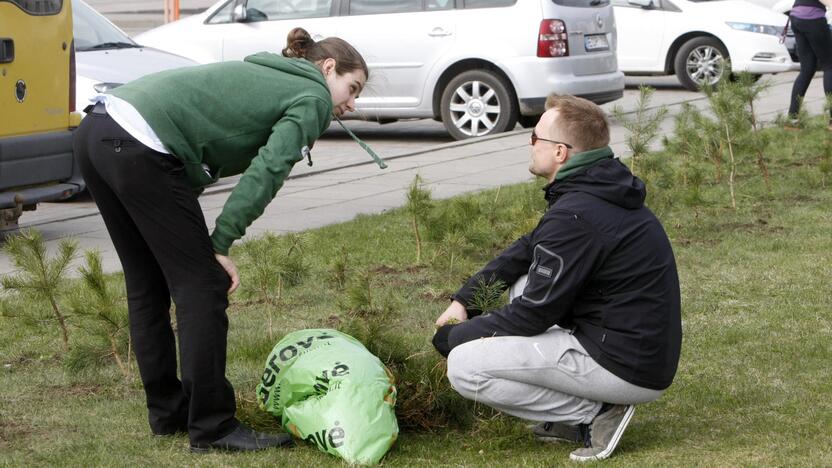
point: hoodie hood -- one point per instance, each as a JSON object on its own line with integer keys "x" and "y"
{"x": 608, "y": 179}
{"x": 293, "y": 66}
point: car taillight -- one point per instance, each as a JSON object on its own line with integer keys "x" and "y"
{"x": 552, "y": 40}
{"x": 72, "y": 76}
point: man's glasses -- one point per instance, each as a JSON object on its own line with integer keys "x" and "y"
{"x": 535, "y": 138}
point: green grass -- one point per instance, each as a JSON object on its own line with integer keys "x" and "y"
{"x": 753, "y": 386}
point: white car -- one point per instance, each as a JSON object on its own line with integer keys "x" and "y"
{"x": 700, "y": 41}
{"x": 479, "y": 66}
{"x": 106, "y": 57}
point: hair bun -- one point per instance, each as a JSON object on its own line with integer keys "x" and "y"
{"x": 298, "y": 42}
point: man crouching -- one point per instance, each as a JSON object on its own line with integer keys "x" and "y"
{"x": 597, "y": 328}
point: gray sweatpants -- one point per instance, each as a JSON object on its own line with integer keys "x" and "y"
{"x": 548, "y": 377}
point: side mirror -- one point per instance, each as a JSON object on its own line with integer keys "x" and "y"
{"x": 646, "y": 4}
{"x": 238, "y": 15}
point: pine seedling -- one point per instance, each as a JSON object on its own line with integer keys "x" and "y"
{"x": 39, "y": 277}
{"x": 488, "y": 295}
{"x": 750, "y": 91}
{"x": 643, "y": 124}
{"x": 453, "y": 243}
{"x": 358, "y": 298}
{"x": 340, "y": 267}
{"x": 419, "y": 204}
{"x": 101, "y": 310}
{"x": 275, "y": 263}
{"x": 729, "y": 107}
{"x": 691, "y": 147}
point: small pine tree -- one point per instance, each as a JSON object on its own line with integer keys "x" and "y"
{"x": 358, "y": 299}
{"x": 340, "y": 267}
{"x": 101, "y": 309}
{"x": 643, "y": 124}
{"x": 419, "y": 204}
{"x": 273, "y": 263}
{"x": 39, "y": 277}
{"x": 749, "y": 91}
{"x": 487, "y": 295}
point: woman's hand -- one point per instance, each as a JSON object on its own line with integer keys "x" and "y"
{"x": 231, "y": 269}
{"x": 455, "y": 313}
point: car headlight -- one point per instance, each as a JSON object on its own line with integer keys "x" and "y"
{"x": 757, "y": 28}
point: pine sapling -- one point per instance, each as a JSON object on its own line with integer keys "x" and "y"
{"x": 487, "y": 295}
{"x": 359, "y": 296}
{"x": 750, "y": 91}
{"x": 729, "y": 107}
{"x": 418, "y": 206}
{"x": 39, "y": 277}
{"x": 272, "y": 264}
{"x": 339, "y": 268}
{"x": 643, "y": 124}
{"x": 102, "y": 311}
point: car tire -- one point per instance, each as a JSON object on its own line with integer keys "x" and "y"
{"x": 702, "y": 60}
{"x": 477, "y": 103}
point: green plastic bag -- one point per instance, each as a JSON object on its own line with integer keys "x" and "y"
{"x": 330, "y": 391}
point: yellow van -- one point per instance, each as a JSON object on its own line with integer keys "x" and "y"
{"x": 37, "y": 108}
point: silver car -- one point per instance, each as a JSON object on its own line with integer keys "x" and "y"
{"x": 479, "y": 66}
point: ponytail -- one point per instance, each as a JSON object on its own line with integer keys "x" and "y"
{"x": 299, "y": 44}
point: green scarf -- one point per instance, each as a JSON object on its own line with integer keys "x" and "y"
{"x": 582, "y": 160}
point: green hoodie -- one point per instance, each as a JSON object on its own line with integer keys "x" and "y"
{"x": 254, "y": 117}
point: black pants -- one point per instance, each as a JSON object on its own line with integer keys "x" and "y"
{"x": 159, "y": 232}
{"x": 814, "y": 42}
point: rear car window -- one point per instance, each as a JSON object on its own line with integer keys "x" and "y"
{"x": 581, "y": 3}
{"x": 374, "y": 7}
{"x": 488, "y": 3}
{"x": 39, "y": 7}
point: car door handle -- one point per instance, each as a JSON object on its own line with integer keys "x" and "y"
{"x": 439, "y": 32}
{"x": 6, "y": 50}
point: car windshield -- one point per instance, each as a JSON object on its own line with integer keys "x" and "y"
{"x": 93, "y": 32}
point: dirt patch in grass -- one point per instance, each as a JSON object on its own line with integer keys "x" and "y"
{"x": 14, "y": 430}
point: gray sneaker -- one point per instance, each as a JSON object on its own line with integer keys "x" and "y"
{"x": 557, "y": 432}
{"x": 604, "y": 433}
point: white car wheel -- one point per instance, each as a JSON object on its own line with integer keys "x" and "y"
{"x": 701, "y": 61}
{"x": 477, "y": 103}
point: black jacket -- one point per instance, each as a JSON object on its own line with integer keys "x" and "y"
{"x": 600, "y": 264}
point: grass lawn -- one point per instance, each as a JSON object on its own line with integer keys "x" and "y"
{"x": 753, "y": 386}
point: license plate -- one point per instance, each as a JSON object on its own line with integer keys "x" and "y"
{"x": 596, "y": 42}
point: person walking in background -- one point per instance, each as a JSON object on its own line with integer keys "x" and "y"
{"x": 145, "y": 149}
{"x": 814, "y": 45}
{"x": 597, "y": 326}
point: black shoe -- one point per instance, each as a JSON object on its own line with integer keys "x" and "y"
{"x": 243, "y": 439}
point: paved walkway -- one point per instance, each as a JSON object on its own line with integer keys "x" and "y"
{"x": 312, "y": 199}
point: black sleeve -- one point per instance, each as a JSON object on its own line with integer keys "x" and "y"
{"x": 510, "y": 265}
{"x": 440, "y": 339}
{"x": 565, "y": 250}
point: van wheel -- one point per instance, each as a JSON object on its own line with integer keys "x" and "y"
{"x": 477, "y": 103}
{"x": 702, "y": 60}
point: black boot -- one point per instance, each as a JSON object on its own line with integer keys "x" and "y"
{"x": 244, "y": 439}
